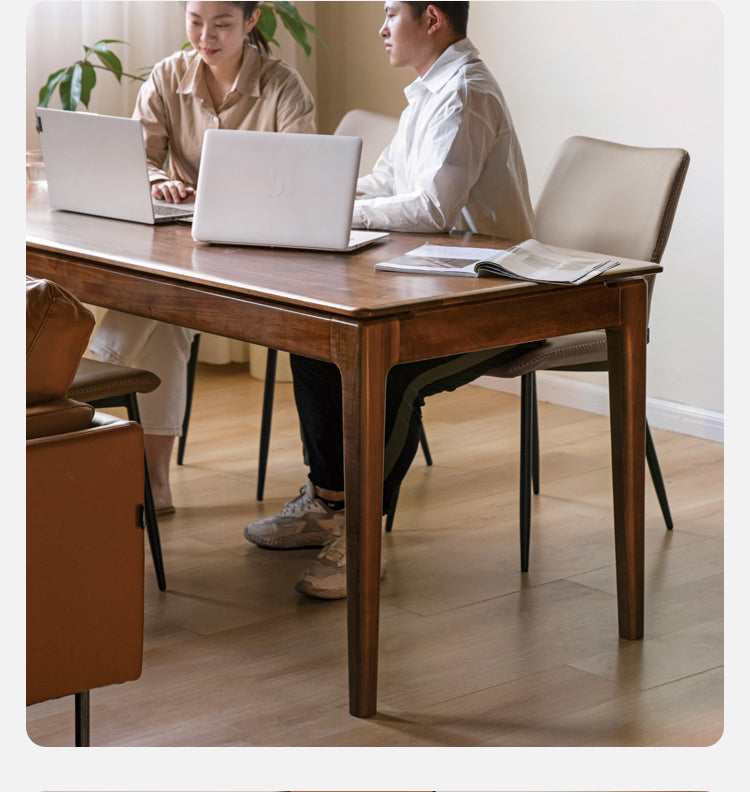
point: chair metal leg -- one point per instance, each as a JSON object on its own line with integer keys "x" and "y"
{"x": 525, "y": 472}
{"x": 152, "y": 524}
{"x": 191, "y": 366}
{"x": 265, "y": 423}
{"x": 391, "y": 511}
{"x": 534, "y": 435}
{"x": 82, "y": 719}
{"x": 656, "y": 477}
{"x": 423, "y": 443}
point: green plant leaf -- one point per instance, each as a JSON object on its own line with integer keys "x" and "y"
{"x": 88, "y": 81}
{"x": 101, "y": 45}
{"x": 70, "y": 87}
{"x": 46, "y": 91}
{"x": 112, "y": 62}
{"x": 267, "y": 22}
{"x": 293, "y": 23}
{"x": 317, "y": 35}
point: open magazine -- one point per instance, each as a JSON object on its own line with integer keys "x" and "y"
{"x": 530, "y": 260}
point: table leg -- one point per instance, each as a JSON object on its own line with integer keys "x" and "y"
{"x": 627, "y": 393}
{"x": 364, "y": 355}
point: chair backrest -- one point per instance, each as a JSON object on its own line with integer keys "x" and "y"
{"x": 375, "y": 129}
{"x": 609, "y": 198}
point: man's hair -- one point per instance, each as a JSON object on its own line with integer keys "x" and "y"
{"x": 457, "y": 14}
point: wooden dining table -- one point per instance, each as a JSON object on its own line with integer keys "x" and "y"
{"x": 336, "y": 307}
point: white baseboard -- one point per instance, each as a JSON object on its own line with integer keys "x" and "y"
{"x": 662, "y": 414}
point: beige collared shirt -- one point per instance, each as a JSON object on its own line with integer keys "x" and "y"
{"x": 175, "y": 108}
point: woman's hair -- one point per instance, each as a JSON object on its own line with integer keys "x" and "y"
{"x": 255, "y": 37}
{"x": 457, "y": 14}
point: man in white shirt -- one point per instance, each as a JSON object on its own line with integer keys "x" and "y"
{"x": 454, "y": 163}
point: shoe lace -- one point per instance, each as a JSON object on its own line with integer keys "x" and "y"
{"x": 301, "y": 504}
{"x": 335, "y": 550}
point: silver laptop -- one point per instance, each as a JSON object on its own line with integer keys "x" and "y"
{"x": 279, "y": 190}
{"x": 96, "y": 164}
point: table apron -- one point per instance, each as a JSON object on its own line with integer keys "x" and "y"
{"x": 501, "y": 321}
{"x": 197, "y": 307}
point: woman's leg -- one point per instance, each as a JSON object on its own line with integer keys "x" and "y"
{"x": 162, "y": 349}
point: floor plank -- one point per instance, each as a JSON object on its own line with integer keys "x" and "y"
{"x": 472, "y": 651}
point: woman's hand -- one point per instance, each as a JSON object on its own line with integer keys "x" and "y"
{"x": 172, "y": 191}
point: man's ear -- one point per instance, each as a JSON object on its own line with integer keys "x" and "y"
{"x": 434, "y": 19}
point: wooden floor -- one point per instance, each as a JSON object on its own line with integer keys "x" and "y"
{"x": 472, "y": 652}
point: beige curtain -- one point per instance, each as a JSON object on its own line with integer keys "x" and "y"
{"x": 56, "y": 31}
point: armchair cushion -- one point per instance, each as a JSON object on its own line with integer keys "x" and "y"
{"x": 58, "y": 327}
{"x": 84, "y": 558}
{"x": 57, "y": 417}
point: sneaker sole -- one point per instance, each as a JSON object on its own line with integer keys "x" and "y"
{"x": 290, "y": 543}
{"x": 310, "y": 591}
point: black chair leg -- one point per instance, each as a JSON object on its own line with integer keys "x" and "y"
{"x": 82, "y": 719}
{"x": 192, "y": 363}
{"x": 656, "y": 477}
{"x": 423, "y": 443}
{"x": 526, "y": 468}
{"x": 391, "y": 511}
{"x": 534, "y": 435}
{"x": 265, "y": 423}
{"x": 152, "y": 524}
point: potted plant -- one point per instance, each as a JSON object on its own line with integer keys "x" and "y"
{"x": 76, "y": 82}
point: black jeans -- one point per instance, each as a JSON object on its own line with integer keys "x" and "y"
{"x": 317, "y": 393}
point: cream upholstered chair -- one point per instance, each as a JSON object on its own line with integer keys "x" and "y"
{"x": 375, "y": 129}
{"x": 606, "y": 198}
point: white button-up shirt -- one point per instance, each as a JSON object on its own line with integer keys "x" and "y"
{"x": 454, "y": 162}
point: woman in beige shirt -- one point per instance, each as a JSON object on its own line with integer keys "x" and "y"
{"x": 228, "y": 80}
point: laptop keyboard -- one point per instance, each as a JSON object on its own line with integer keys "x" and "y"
{"x": 160, "y": 210}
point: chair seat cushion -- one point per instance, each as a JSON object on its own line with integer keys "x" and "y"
{"x": 578, "y": 349}
{"x": 96, "y": 380}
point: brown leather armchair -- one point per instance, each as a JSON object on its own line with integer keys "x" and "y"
{"x": 84, "y": 519}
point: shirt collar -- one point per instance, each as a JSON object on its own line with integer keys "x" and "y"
{"x": 449, "y": 62}
{"x": 247, "y": 80}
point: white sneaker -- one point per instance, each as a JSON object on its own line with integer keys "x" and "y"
{"x": 306, "y": 521}
{"x": 325, "y": 577}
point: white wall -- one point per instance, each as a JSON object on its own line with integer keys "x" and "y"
{"x": 644, "y": 73}
{"x": 641, "y": 72}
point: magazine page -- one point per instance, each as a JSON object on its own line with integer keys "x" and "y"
{"x": 530, "y": 260}
{"x": 440, "y": 259}
{"x": 536, "y": 262}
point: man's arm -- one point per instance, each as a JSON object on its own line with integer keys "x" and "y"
{"x": 379, "y": 182}
{"x": 460, "y": 142}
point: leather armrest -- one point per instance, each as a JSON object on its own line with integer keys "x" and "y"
{"x": 57, "y": 417}
{"x": 58, "y": 327}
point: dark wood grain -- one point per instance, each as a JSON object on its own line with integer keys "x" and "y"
{"x": 337, "y": 307}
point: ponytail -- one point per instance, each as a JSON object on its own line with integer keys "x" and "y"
{"x": 255, "y": 37}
